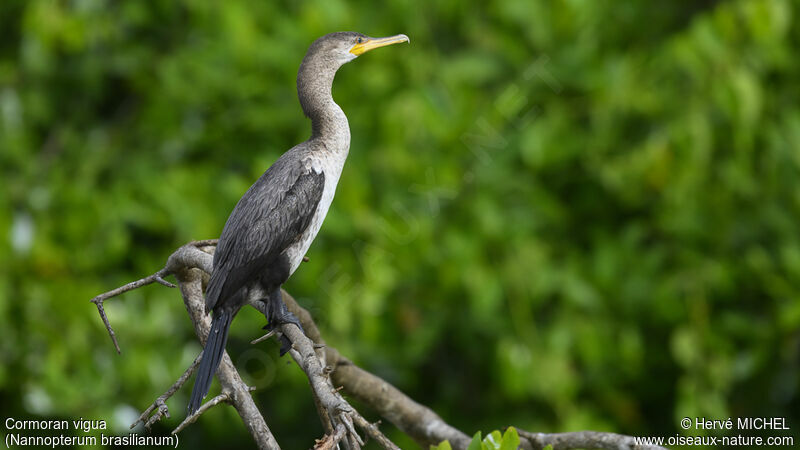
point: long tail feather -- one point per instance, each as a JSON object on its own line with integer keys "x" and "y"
{"x": 212, "y": 355}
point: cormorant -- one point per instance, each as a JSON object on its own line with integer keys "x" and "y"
{"x": 275, "y": 221}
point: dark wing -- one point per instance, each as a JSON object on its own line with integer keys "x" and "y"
{"x": 269, "y": 217}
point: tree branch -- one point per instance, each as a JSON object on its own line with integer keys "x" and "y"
{"x": 584, "y": 439}
{"x": 330, "y": 440}
{"x": 158, "y": 277}
{"x": 325, "y": 368}
{"x": 224, "y": 397}
{"x": 190, "y": 264}
{"x": 184, "y": 265}
{"x": 160, "y": 402}
{"x": 332, "y": 407}
{"x": 414, "y": 419}
{"x": 98, "y": 301}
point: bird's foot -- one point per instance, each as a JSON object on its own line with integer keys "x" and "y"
{"x": 280, "y": 315}
{"x": 286, "y": 345}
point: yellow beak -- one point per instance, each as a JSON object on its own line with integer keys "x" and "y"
{"x": 373, "y": 43}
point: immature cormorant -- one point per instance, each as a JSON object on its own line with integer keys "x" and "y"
{"x": 275, "y": 221}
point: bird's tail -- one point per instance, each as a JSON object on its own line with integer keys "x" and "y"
{"x": 212, "y": 354}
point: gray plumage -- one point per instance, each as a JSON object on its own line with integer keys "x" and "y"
{"x": 270, "y": 217}
{"x": 276, "y": 220}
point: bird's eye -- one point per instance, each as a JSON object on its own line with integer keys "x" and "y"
{"x": 359, "y": 40}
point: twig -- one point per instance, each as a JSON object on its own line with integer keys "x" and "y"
{"x": 157, "y": 277}
{"x": 264, "y": 337}
{"x": 352, "y": 436}
{"x": 584, "y": 439}
{"x": 160, "y": 402}
{"x": 372, "y": 431}
{"x": 224, "y": 397}
{"x": 329, "y": 441}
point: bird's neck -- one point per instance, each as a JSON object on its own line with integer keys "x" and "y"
{"x": 328, "y": 122}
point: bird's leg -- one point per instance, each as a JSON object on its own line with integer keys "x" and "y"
{"x": 278, "y": 314}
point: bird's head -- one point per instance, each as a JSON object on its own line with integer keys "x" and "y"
{"x": 325, "y": 56}
{"x": 345, "y": 46}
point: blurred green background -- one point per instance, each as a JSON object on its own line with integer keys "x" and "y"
{"x": 558, "y": 215}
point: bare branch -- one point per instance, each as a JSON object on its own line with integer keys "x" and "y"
{"x": 332, "y": 407}
{"x": 264, "y": 337}
{"x": 329, "y": 441}
{"x": 98, "y": 301}
{"x": 324, "y": 417}
{"x": 224, "y": 397}
{"x": 352, "y": 436}
{"x": 163, "y": 282}
{"x": 414, "y": 419}
{"x": 157, "y": 277}
{"x": 322, "y": 410}
{"x": 190, "y": 264}
{"x": 373, "y": 432}
{"x": 191, "y": 284}
{"x": 324, "y": 367}
{"x": 160, "y": 402}
{"x": 584, "y": 439}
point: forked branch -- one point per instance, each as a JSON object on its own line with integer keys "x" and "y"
{"x": 325, "y": 368}
{"x": 189, "y": 264}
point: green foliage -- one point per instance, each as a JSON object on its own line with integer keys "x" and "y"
{"x": 443, "y": 446}
{"x": 493, "y": 441}
{"x": 561, "y": 215}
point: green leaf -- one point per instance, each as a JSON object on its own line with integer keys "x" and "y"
{"x": 493, "y": 440}
{"x": 476, "y": 442}
{"x": 444, "y": 445}
{"x": 510, "y": 439}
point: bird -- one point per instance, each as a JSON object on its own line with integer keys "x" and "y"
{"x": 272, "y": 226}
